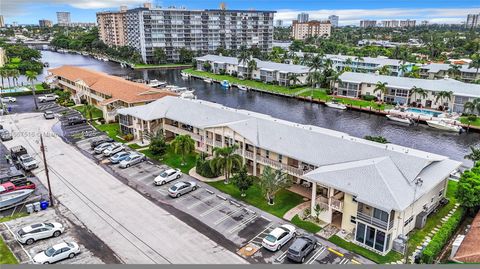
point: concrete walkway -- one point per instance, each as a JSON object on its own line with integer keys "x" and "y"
{"x": 193, "y": 173}
{"x": 296, "y": 210}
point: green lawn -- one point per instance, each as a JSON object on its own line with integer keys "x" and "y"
{"x": 39, "y": 87}
{"x": 6, "y": 256}
{"x": 96, "y": 113}
{"x": 306, "y": 225}
{"x": 111, "y": 129}
{"x": 464, "y": 120}
{"x": 15, "y": 216}
{"x": 416, "y": 237}
{"x": 377, "y": 258}
{"x": 159, "y": 65}
{"x": 284, "y": 199}
{"x": 320, "y": 94}
{"x": 174, "y": 160}
{"x": 249, "y": 83}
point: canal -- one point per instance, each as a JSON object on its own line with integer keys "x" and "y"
{"x": 355, "y": 123}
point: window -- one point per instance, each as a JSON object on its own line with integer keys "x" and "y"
{"x": 408, "y": 221}
{"x": 440, "y": 194}
{"x": 370, "y": 236}
{"x": 380, "y": 214}
{"x": 380, "y": 241}
{"x": 267, "y": 154}
{"x": 353, "y": 219}
{"x": 360, "y": 232}
{"x": 280, "y": 157}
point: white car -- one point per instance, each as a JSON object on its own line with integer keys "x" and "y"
{"x": 29, "y": 234}
{"x": 278, "y": 237}
{"x": 131, "y": 160}
{"x": 100, "y": 148}
{"x": 113, "y": 149}
{"x": 48, "y": 97}
{"x": 27, "y": 162}
{"x": 57, "y": 253}
{"x": 167, "y": 176}
{"x": 9, "y": 99}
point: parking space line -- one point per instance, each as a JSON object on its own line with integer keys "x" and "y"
{"x": 262, "y": 232}
{"x": 282, "y": 256}
{"x": 211, "y": 210}
{"x": 143, "y": 176}
{"x": 344, "y": 261}
{"x": 24, "y": 250}
{"x": 242, "y": 224}
{"x": 227, "y": 216}
{"x": 336, "y": 252}
{"x": 355, "y": 262}
{"x": 162, "y": 191}
{"x": 209, "y": 198}
{"x": 316, "y": 255}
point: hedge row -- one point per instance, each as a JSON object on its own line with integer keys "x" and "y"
{"x": 13, "y": 94}
{"x": 442, "y": 236}
{"x": 204, "y": 169}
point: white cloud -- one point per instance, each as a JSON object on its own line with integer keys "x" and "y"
{"x": 353, "y": 16}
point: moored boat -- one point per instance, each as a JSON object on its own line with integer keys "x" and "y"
{"x": 12, "y": 198}
{"x": 208, "y": 80}
{"x": 155, "y": 83}
{"x": 335, "y": 104}
{"x": 399, "y": 119}
{"x": 185, "y": 75}
{"x": 225, "y": 84}
{"x": 445, "y": 126}
{"x": 242, "y": 88}
{"x": 188, "y": 94}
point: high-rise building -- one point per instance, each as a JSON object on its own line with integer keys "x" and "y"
{"x": 63, "y": 18}
{"x": 396, "y": 23}
{"x": 424, "y": 23}
{"x": 408, "y": 23}
{"x": 302, "y": 17}
{"x": 111, "y": 27}
{"x": 2, "y": 22}
{"x": 279, "y": 23}
{"x": 473, "y": 20}
{"x": 368, "y": 23}
{"x": 333, "y": 20}
{"x": 45, "y": 23}
{"x": 201, "y": 31}
{"x": 14, "y": 24}
{"x": 302, "y": 30}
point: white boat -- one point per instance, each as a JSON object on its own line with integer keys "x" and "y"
{"x": 185, "y": 75}
{"x": 335, "y": 104}
{"x": 225, "y": 84}
{"x": 399, "y": 119}
{"x": 12, "y": 198}
{"x": 188, "y": 95}
{"x": 208, "y": 80}
{"x": 442, "y": 125}
{"x": 155, "y": 83}
{"x": 241, "y": 87}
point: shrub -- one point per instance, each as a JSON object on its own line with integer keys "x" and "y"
{"x": 128, "y": 137}
{"x": 442, "y": 236}
{"x": 472, "y": 117}
{"x": 158, "y": 146}
{"x": 369, "y": 97}
{"x": 13, "y": 94}
{"x": 204, "y": 169}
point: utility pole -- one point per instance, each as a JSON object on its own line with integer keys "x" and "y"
{"x": 42, "y": 148}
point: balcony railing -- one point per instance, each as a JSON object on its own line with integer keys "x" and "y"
{"x": 374, "y": 221}
{"x": 181, "y": 131}
{"x": 336, "y": 204}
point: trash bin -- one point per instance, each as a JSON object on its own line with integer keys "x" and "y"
{"x": 29, "y": 208}
{"x": 36, "y": 206}
{"x": 43, "y": 205}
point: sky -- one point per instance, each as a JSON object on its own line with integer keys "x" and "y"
{"x": 349, "y": 11}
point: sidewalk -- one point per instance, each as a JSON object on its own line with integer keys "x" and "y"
{"x": 193, "y": 173}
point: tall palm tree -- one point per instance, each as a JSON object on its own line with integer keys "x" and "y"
{"x": 3, "y": 75}
{"x": 88, "y": 110}
{"x": 403, "y": 68}
{"x": 316, "y": 63}
{"x": 226, "y": 160}
{"x": 472, "y": 106}
{"x": 384, "y": 70}
{"x": 8, "y": 73}
{"x": 382, "y": 88}
{"x": 244, "y": 57}
{"x": 349, "y": 62}
{"x": 32, "y": 77}
{"x": 358, "y": 59}
{"x": 183, "y": 145}
{"x": 251, "y": 66}
{"x": 475, "y": 63}
{"x": 454, "y": 70}
{"x": 417, "y": 90}
{"x": 15, "y": 75}
{"x": 293, "y": 79}
{"x": 271, "y": 181}
{"x": 442, "y": 95}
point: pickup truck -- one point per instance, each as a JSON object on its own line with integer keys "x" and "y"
{"x": 9, "y": 186}
{"x": 27, "y": 162}
{"x": 48, "y": 98}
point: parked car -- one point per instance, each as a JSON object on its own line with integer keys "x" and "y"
{"x": 9, "y": 186}
{"x": 27, "y": 162}
{"x": 75, "y": 120}
{"x": 118, "y": 157}
{"x": 16, "y": 152}
{"x": 132, "y": 159}
{"x": 48, "y": 115}
{"x": 99, "y": 141}
{"x": 301, "y": 247}
{"x": 9, "y": 99}
{"x": 100, "y": 148}
{"x": 182, "y": 187}
{"x": 5, "y": 135}
{"x": 167, "y": 176}
{"x": 29, "y": 234}
{"x": 278, "y": 237}
{"x": 57, "y": 253}
{"x": 48, "y": 98}
{"x": 113, "y": 149}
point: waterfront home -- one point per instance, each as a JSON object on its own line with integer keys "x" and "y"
{"x": 376, "y": 192}
{"x": 399, "y": 90}
{"x": 269, "y": 72}
{"x": 107, "y": 93}
{"x": 439, "y": 71}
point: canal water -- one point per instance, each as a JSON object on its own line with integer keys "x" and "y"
{"x": 355, "y": 123}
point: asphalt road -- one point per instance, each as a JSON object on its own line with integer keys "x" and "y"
{"x": 136, "y": 229}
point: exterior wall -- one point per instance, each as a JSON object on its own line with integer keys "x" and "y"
{"x": 111, "y": 28}
{"x": 349, "y": 211}
{"x": 2, "y": 57}
{"x": 303, "y": 30}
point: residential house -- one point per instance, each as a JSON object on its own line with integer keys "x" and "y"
{"x": 439, "y": 71}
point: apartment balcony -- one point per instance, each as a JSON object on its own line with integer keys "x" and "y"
{"x": 374, "y": 221}
{"x": 213, "y": 143}
{"x": 336, "y": 204}
{"x": 181, "y": 131}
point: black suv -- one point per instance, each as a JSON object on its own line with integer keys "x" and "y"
{"x": 76, "y": 120}
{"x": 97, "y": 142}
{"x": 301, "y": 247}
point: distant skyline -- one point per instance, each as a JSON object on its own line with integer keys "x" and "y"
{"x": 349, "y": 11}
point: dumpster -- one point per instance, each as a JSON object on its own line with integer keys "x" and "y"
{"x": 29, "y": 208}
{"x": 43, "y": 205}
{"x": 36, "y": 206}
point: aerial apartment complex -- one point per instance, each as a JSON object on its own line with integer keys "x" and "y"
{"x": 202, "y": 31}
{"x": 375, "y": 192}
{"x": 303, "y": 30}
{"x": 356, "y": 85}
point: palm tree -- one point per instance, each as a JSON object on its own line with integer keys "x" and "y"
{"x": 244, "y": 56}
{"x": 8, "y": 73}
{"x": 358, "y": 59}
{"x": 403, "y": 68}
{"x": 183, "y": 145}
{"x": 417, "y": 90}
{"x": 32, "y": 77}
{"x": 251, "y": 66}
{"x": 384, "y": 70}
{"x": 226, "y": 160}
{"x": 382, "y": 88}
{"x": 348, "y": 62}
{"x": 293, "y": 79}
{"x": 454, "y": 70}
{"x": 88, "y": 110}
{"x": 316, "y": 63}
{"x": 3, "y": 75}
{"x": 15, "y": 74}
{"x": 472, "y": 106}
{"x": 441, "y": 95}
{"x": 271, "y": 181}
{"x": 475, "y": 63}
{"x": 474, "y": 155}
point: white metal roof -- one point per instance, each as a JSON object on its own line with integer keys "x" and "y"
{"x": 373, "y": 172}
{"x": 437, "y": 67}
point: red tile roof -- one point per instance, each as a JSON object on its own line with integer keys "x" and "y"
{"x": 469, "y": 251}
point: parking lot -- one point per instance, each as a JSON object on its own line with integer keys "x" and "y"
{"x": 25, "y": 253}
{"x": 239, "y": 223}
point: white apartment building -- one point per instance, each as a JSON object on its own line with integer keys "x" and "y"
{"x": 202, "y": 31}
{"x": 277, "y": 73}
{"x": 355, "y": 85}
{"x": 303, "y": 30}
{"x": 439, "y": 71}
{"x": 63, "y": 18}
{"x": 368, "y": 23}
{"x": 373, "y": 191}
{"x": 333, "y": 20}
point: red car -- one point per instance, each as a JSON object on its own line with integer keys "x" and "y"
{"x": 9, "y": 186}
